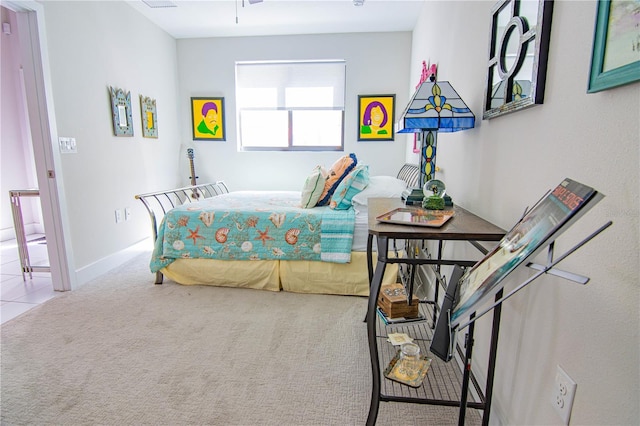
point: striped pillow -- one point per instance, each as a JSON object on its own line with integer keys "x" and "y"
{"x": 351, "y": 185}
{"x": 341, "y": 168}
{"x": 313, "y": 187}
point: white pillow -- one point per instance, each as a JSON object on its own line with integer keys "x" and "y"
{"x": 313, "y": 187}
{"x": 380, "y": 187}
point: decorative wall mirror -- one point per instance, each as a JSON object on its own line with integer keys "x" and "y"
{"x": 121, "y": 112}
{"x": 518, "y": 50}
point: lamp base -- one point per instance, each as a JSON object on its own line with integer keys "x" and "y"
{"x": 414, "y": 197}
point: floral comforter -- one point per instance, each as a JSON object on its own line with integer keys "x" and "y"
{"x": 254, "y": 225}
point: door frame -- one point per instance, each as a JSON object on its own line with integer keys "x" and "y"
{"x": 44, "y": 136}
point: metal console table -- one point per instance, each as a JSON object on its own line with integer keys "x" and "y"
{"x": 464, "y": 226}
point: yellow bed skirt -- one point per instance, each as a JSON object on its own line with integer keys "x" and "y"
{"x": 296, "y": 276}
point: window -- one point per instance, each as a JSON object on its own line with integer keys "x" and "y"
{"x": 290, "y": 105}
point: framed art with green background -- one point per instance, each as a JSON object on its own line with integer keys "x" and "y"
{"x": 376, "y": 115}
{"x": 616, "y": 45}
{"x": 207, "y": 119}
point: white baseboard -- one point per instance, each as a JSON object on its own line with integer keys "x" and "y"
{"x": 106, "y": 264}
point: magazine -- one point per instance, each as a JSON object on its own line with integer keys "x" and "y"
{"x": 536, "y": 230}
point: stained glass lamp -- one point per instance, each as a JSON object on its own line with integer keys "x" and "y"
{"x": 435, "y": 107}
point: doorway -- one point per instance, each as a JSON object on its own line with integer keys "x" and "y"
{"x": 39, "y": 132}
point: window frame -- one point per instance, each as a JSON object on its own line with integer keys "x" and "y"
{"x": 290, "y": 146}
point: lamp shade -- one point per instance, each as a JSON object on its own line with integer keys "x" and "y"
{"x": 435, "y": 106}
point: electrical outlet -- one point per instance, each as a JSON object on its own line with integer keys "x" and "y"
{"x": 564, "y": 391}
{"x": 118, "y": 215}
{"x": 127, "y": 213}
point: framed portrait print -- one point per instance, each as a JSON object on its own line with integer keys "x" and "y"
{"x": 376, "y": 115}
{"x": 207, "y": 119}
{"x": 149, "y": 118}
{"x": 121, "y": 112}
{"x": 616, "y": 45}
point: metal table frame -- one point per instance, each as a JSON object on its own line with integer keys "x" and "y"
{"x": 464, "y": 226}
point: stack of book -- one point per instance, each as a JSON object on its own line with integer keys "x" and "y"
{"x": 412, "y": 196}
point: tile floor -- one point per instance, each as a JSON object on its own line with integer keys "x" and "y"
{"x": 17, "y": 296}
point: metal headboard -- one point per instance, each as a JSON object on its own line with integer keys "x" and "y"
{"x": 409, "y": 173}
{"x": 159, "y": 203}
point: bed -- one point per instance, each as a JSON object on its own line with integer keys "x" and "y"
{"x": 208, "y": 235}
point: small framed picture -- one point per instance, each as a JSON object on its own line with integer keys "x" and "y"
{"x": 616, "y": 43}
{"x": 121, "y": 112}
{"x": 207, "y": 119}
{"x": 149, "y": 118}
{"x": 376, "y": 116}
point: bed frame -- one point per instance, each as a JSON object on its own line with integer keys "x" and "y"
{"x": 409, "y": 173}
{"x": 160, "y": 202}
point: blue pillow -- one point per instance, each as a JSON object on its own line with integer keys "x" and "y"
{"x": 350, "y": 186}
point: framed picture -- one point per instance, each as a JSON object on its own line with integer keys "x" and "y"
{"x": 376, "y": 115}
{"x": 149, "y": 117}
{"x": 121, "y": 112}
{"x": 207, "y": 119}
{"x": 518, "y": 53}
{"x": 616, "y": 45}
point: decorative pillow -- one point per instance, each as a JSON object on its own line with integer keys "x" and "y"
{"x": 313, "y": 187}
{"x": 341, "y": 168}
{"x": 380, "y": 187}
{"x": 351, "y": 185}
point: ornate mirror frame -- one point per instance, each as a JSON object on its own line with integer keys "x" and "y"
{"x": 149, "y": 117}
{"x": 121, "y": 112}
{"x": 518, "y": 51}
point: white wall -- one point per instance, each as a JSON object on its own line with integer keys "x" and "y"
{"x": 376, "y": 64}
{"x": 94, "y": 45}
{"x": 506, "y": 164}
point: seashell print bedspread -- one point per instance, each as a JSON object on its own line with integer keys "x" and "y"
{"x": 254, "y": 225}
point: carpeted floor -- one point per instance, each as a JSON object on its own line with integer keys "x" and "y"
{"x": 121, "y": 350}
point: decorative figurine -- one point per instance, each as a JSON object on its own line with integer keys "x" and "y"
{"x": 434, "y": 191}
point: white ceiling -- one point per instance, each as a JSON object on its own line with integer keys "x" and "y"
{"x": 217, "y": 18}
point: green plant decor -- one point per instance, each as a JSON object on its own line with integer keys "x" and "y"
{"x": 433, "y": 202}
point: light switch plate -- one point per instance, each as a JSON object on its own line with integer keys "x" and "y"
{"x": 67, "y": 145}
